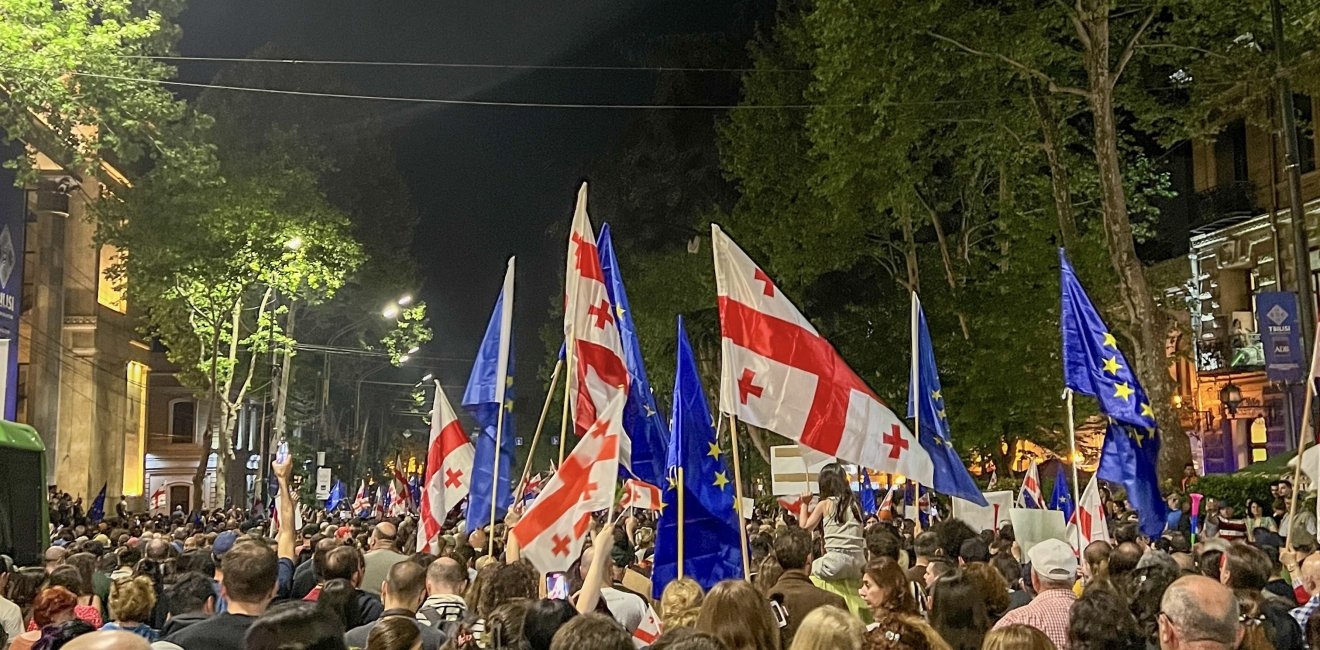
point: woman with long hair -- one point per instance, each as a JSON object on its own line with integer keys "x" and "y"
{"x": 957, "y": 611}
{"x": 829, "y": 628}
{"x": 680, "y": 603}
{"x": 69, "y": 578}
{"x": 840, "y": 517}
{"x": 894, "y": 609}
{"x": 739, "y": 616}
{"x": 54, "y": 605}
{"x": 1258, "y": 516}
{"x": 23, "y": 588}
{"x": 1101, "y": 621}
{"x": 85, "y": 563}
{"x": 395, "y": 633}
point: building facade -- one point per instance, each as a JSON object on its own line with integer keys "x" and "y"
{"x": 1241, "y": 246}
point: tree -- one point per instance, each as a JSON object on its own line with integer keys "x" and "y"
{"x": 78, "y": 83}
{"x": 214, "y": 266}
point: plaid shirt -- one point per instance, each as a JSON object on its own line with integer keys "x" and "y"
{"x": 1050, "y": 611}
{"x": 1303, "y": 614}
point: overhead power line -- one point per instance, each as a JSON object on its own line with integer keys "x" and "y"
{"x": 464, "y": 66}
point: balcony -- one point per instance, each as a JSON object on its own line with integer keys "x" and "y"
{"x": 1235, "y": 353}
{"x": 1224, "y": 205}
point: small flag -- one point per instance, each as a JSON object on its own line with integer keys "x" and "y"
{"x": 361, "y": 501}
{"x": 648, "y": 631}
{"x": 867, "y": 495}
{"x": 158, "y": 499}
{"x": 1031, "y": 495}
{"x": 449, "y": 460}
{"x": 1061, "y": 497}
{"x": 640, "y": 494}
{"x": 336, "y": 496}
{"x": 97, "y": 512}
{"x": 1089, "y": 517}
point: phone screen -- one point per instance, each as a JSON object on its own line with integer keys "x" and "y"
{"x": 556, "y": 586}
{"x": 282, "y": 452}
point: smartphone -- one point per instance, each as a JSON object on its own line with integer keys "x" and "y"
{"x": 282, "y": 452}
{"x": 556, "y": 586}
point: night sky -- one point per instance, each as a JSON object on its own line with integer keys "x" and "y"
{"x": 488, "y": 182}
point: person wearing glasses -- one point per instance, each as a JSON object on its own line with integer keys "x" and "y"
{"x": 1198, "y": 612}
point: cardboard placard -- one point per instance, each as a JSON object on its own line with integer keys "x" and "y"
{"x": 1031, "y": 526}
{"x": 793, "y": 469}
{"x": 989, "y": 517}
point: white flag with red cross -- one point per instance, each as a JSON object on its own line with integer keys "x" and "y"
{"x": 648, "y": 630}
{"x": 552, "y": 532}
{"x": 640, "y": 494}
{"x": 158, "y": 499}
{"x": 598, "y": 373}
{"x": 448, "y": 472}
{"x": 780, "y": 374}
{"x": 1088, "y": 523}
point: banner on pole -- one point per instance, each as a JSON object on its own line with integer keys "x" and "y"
{"x": 793, "y": 469}
{"x": 1277, "y": 325}
{"x": 988, "y": 517}
{"x": 1032, "y": 526}
{"x": 322, "y": 483}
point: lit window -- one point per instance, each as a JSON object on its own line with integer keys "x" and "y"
{"x": 1259, "y": 438}
{"x": 110, "y": 291}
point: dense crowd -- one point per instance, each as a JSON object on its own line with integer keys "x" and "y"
{"x": 830, "y": 579}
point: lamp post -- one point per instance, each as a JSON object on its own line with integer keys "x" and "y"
{"x": 390, "y": 311}
{"x": 1231, "y": 397}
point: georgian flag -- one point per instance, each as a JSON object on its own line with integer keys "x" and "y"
{"x": 552, "y": 532}
{"x": 158, "y": 499}
{"x": 780, "y": 374}
{"x": 1088, "y": 523}
{"x": 448, "y": 474}
{"x": 399, "y": 504}
{"x": 640, "y": 494}
{"x": 362, "y": 502}
{"x": 648, "y": 630}
{"x": 598, "y": 372}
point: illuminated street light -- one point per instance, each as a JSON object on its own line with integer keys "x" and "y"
{"x": 413, "y": 350}
{"x": 428, "y": 377}
{"x": 294, "y": 244}
{"x": 390, "y": 312}
{"x": 405, "y": 300}
{"x": 404, "y": 358}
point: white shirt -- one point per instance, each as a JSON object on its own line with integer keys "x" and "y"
{"x": 11, "y": 618}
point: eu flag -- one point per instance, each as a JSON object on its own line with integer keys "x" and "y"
{"x": 1061, "y": 496}
{"x": 711, "y": 550}
{"x": 641, "y": 420}
{"x": 926, "y": 406}
{"x": 489, "y": 397}
{"x": 97, "y": 512}
{"x": 867, "y": 493}
{"x": 1093, "y": 365}
{"x": 336, "y": 495}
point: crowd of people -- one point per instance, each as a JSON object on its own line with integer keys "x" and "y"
{"x": 830, "y": 579}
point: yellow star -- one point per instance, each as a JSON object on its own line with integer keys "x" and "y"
{"x": 619, "y": 311}
{"x": 940, "y": 414}
{"x": 673, "y": 483}
{"x": 1136, "y": 437}
{"x": 935, "y": 395}
{"x": 1121, "y": 389}
{"x": 662, "y": 507}
{"x": 714, "y": 451}
{"x": 1110, "y": 342}
{"x": 721, "y": 480}
{"x": 1146, "y": 410}
{"x": 1112, "y": 367}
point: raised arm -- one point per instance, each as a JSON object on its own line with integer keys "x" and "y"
{"x": 589, "y": 596}
{"x": 285, "y": 505}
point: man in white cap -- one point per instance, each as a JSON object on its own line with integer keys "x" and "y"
{"x": 1053, "y": 570}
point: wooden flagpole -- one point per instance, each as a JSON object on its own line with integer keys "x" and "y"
{"x": 1303, "y": 434}
{"x": 680, "y": 540}
{"x": 568, "y": 382}
{"x": 738, "y": 497}
{"x": 540, "y": 424}
{"x": 1072, "y": 461}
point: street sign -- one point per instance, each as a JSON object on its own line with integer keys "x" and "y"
{"x": 322, "y": 483}
{"x": 1280, "y": 335}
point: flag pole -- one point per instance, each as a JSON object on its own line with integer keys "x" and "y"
{"x": 502, "y": 358}
{"x": 1302, "y": 436}
{"x": 540, "y": 424}
{"x": 1072, "y": 461}
{"x": 680, "y": 539}
{"x": 737, "y": 495}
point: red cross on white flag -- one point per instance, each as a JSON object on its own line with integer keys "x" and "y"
{"x": 1088, "y": 524}
{"x": 448, "y": 472}
{"x": 598, "y": 371}
{"x": 640, "y": 494}
{"x": 780, "y": 374}
{"x": 552, "y": 532}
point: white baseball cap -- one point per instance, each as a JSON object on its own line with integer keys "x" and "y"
{"x": 1053, "y": 559}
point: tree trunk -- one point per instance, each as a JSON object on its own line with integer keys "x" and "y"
{"x": 1147, "y": 324}
{"x": 1059, "y": 180}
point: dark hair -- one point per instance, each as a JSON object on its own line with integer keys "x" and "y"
{"x": 189, "y": 593}
{"x": 1208, "y": 563}
{"x": 927, "y": 544}
{"x": 250, "y": 569}
{"x": 1101, "y": 621}
{"x": 393, "y": 633}
{"x": 341, "y": 563}
{"x": 1009, "y": 567}
{"x": 24, "y": 585}
{"x": 833, "y": 482}
{"x": 957, "y": 611}
{"x": 85, "y": 563}
{"x": 882, "y": 541}
{"x": 952, "y": 533}
{"x": 544, "y": 618}
{"x": 1124, "y": 558}
{"x": 974, "y": 549}
{"x": 70, "y": 578}
{"x": 793, "y": 548}
{"x": 53, "y": 637}
{"x": 505, "y": 626}
{"x": 592, "y": 632}
{"x": 1248, "y": 567}
{"x": 128, "y": 556}
{"x": 407, "y": 580}
{"x": 297, "y": 625}
{"x": 195, "y": 561}
{"x": 339, "y": 599}
{"x": 509, "y": 581}
{"x": 887, "y": 575}
{"x": 1144, "y": 589}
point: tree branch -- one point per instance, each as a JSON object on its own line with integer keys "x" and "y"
{"x": 1020, "y": 67}
{"x": 1076, "y": 21}
{"x": 1132, "y": 46}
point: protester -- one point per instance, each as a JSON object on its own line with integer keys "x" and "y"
{"x": 829, "y": 628}
{"x": 736, "y": 614}
{"x": 403, "y": 591}
{"x": 594, "y": 632}
{"x": 296, "y": 624}
{"x": 1101, "y": 621}
{"x": 543, "y": 620}
{"x": 1199, "y": 612}
{"x": 1053, "y": 570}
{"x": 191, "y": 600}
{"x": 131, "y": 602}
{"x": 893, "y": 608}
{"x": 446, "y": 580}
{"x": 11, "y": 615}
{"x": 382, "y": 556}
{"x": 1245, "y": 569}
{"x": 54, "y": 605}
{"x": 958, "y": 611}
{"x": 69, "y": 578}
{"x": 794, "y": 589}
{"x": 393, "y": 633}
{"x": 841, "y": 518}
{"x": 680, "y": 603}
{"x": 1016, "y": 637}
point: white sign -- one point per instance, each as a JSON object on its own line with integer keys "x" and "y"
{"x": 748, "y": 507}
{"x": 989, "y": 517}
{"x": 793, "y": 469}
{"x": 1032, "y": 526}
{"x": 323, "y": 483}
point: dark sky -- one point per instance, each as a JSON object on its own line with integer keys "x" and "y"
{"x": 487, "y": 181}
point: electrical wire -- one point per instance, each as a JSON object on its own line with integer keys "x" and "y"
{"x": 460, "y": 66}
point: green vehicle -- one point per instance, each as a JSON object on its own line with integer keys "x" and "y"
{"x": 24, "y": 514}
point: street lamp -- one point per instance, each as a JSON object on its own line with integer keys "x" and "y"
{"x": 294, "y": 243}
{"x": 1231, "y": 397}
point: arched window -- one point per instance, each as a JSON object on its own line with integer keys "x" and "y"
{"x": 183, "y": 421}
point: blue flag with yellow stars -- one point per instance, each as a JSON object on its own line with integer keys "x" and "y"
{"x": 926, "y": 406}
{"x": 1061, "y": 497}
{"x": 866, "y": 493}
{"x": 97, "y": 512}
{"x": 481, "y": 399}
{"x": 641, "y": 419}
{"x": 710, "y": 525}
{"x": 1093, "y": 365}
